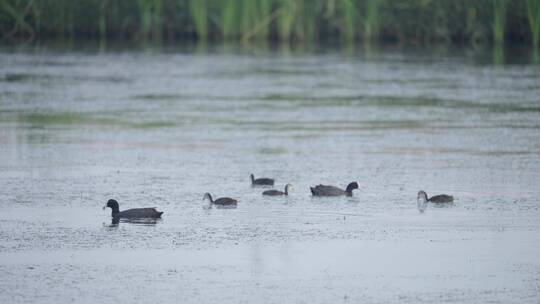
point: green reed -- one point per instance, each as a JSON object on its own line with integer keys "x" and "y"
{"x": 103, "y": 20}
{"x": 228, "y": 14}
{"x": 15, "y": 13}
{"x": 499, "y": 20}
{"x": 285, "y": 19}
{"x": 415, "y": 21}
{"x": 371, "y": 19}
{"x": 348, "y": 8}
{"x": 199, "y": 15}
{"x": 307, "y": 20}
{"x": 533, "y": 15}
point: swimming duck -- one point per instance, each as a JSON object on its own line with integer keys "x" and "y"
{"x": 223, "y": 201}
{"x": 422, "y": 200}
{"x": 261, "y": 181}
{"x": 323, "y": 190}
{"x": 131, "y": 213}
{"x": 274, "y": 192}
{"x": 438, "y": 199}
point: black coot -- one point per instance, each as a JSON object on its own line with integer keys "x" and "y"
{"x": 263, "y": 181}
{"x": 136, "y": 213}
{"x": 274, "y": 192}
{"x": 323, "y": 190}
{"x": 223, "y": 201}
{"x": 438, "y": 199}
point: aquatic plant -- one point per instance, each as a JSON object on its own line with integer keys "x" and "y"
{"x": 416, "y": 21}
{"x": 285, "y": 18}
{"x": 499, "y": 20}
{"x": 533, "y": 15}
{"x": 349, "y": 19}
{"x": 199, "y": 14}
{"x": 371, "y": 19}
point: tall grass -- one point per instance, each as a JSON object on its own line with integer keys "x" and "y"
{"x": 103, "y": 20}
{"x": 499, "y": 20}
{"x": 533, "y": 15}
{"x": 256, "y": 19}
{"x": 16, "y": 14}
{"x": 285, "y": 19}
{"x": 199, "y": 15}
{"x": 415, "y": 21}
{"x": 371, "y": 19}
{"x": 349, "y": 19}
{"x": 229, "y": 9}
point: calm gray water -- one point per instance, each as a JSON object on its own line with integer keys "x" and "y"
{"x": 162, "y": 127}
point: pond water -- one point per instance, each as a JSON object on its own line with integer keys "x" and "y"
{"x": 160, "y": 127}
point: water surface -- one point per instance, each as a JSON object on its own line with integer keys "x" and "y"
{"x": 162, "y": 127}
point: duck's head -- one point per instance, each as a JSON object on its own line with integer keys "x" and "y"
{"x": 422, "y": 196}
{"x": 351, "y": 187}
{"x": 207, "y": 196}
{"x": 287, "y": 188}
{"x": 113, "y": 204}
{"x": 421, "y": 201}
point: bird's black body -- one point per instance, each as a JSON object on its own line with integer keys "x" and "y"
{"x": 441, "y": 199}
{"x": 437, "y": 199}
{"x": 135, "y": 213}
{"x": 274, "y": 192}
{"x": 323, "y": 190}
{"x": 263, "y": 181}
{"x": 222, "y": 201}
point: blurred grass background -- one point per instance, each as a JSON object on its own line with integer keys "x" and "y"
{"x": 305, "y": 21}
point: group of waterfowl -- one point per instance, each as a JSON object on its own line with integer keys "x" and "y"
{"x": 319, "y": 190}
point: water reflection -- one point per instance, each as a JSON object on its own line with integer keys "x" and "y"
{"x": 141, "y": 221}
{"x": 222, "y": 206}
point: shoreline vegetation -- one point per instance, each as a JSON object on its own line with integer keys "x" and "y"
{"x": 276, "y": 21}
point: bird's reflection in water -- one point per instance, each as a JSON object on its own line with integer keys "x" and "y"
{"x": 445, "y": 205}
{"x": 135, "y": 221}
{"x": 212, "y": 206}
{"x": 223, "y": 207}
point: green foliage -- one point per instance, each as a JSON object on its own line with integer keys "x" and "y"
{"x": 371, "y": 20}
{"x": 349, "y": 19}
{"x": 285, "y": 19}
{"x": 533, "y": 15}
{"x": 199, "y": 15}
{"x": 229, "y": 17}
{"x": 415, "y": 21}
{"x": 499, "y": 20}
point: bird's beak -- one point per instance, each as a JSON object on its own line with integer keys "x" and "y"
{"x": 104, "y": 207}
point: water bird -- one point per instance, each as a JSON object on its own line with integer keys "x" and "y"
{"x": 275, "y": 192}
{"x": 422, "y": 200}
{"x": 438, "y": 199}
{"x": 263, "y": 181}
{"x": 135, "y": 213}
{"x": 323, "y": 190}
{"x": 222, "y": 201}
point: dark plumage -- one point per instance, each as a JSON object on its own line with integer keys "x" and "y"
{"x": 274, "y": 192}
{"x": 438, "y": 199}
{"x": 323, "y": 190}
{"x": 223, "y": 201}
{"x": 422, "y": 200}
{"x": 135, "y": 213}
{"x": 263, "y": 181}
